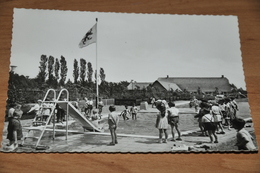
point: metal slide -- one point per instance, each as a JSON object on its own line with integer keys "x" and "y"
{"x": 74, "y": 113}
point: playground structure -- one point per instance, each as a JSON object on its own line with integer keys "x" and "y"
{"x": 46, "y": 122}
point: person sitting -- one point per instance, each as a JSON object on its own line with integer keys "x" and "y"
{"x": 244, "y": 139}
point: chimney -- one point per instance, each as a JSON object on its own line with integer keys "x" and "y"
{"x": 167, "y": 76}
{"x": 222, "y": 76}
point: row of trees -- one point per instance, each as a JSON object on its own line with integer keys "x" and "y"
{"x": 53, "y": 74}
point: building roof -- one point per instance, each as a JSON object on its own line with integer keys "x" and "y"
{"x": 138, "y": 85}
{"x": 207, "y": 84}
{"x": 169, "y": 85}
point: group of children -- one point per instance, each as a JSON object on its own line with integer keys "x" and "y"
{"x": 168, "y": 115}
{"x": 212, "y": 116}
{"x": 132, "y": 112}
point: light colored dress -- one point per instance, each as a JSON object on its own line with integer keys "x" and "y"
{"x": 163, "y": 122}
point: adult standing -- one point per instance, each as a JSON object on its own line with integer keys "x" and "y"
{"x": 113, "y": 120}
{"x": 173, "y": 120}
{"x": 162, "y": 121}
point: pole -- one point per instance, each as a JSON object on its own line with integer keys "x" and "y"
{"x": 96, "y": 68}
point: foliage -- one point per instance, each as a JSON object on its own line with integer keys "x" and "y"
{"x": 41, "y": 77}
{"x": 102, "y": 74}
{"x": 82, "y": 71}
{"x": 63, "y": 70}
{"x": 57, "y": 69}
{"x": 90, "y": 72}
{"x": 50, "y": 70}
{"x": 76, "y": 71}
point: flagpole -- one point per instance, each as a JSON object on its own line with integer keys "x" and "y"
{"x": 96, "y": 68}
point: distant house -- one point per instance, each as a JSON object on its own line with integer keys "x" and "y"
{"x": 138, "y": 85}
{"x": 161, "y": 85}
{"x": 206, "y": 85}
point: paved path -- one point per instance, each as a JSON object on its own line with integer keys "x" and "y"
{"x": 98, "y": 142}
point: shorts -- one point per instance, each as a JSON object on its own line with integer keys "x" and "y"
{"x": 209, "y": 126}
{"x": 173, "y": 120}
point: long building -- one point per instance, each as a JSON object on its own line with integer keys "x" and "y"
{"x": 196, "y": 85}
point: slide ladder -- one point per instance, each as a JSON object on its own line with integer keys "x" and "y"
{"x": 43, "y": 122}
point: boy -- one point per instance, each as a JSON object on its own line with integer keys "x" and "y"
{"x": 113, "y": 120}
{"x": 173, "y": 120}
{"x": 134, "y": 112}
{"x": 244, "y": 139}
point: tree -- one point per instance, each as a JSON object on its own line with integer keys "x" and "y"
{"x": 76, "y": 71}
{"x": 50, "y": 70}
{"x": 102, "y": 75}
{"x": 57, "y": 68}
{"x": 63, "y": 70}
{"x": 42, "y": 73}
{"x": 90, "y": 72}
{"x": 82, "y": 71}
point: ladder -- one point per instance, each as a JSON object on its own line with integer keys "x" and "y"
{"x": 41, "y": 123}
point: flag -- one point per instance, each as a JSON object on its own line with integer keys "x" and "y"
{"x": 89, "y": 38}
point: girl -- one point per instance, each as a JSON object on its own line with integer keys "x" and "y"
{"x": 162, "y": 120}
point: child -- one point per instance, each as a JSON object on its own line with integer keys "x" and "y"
{"x": 95, "y": 118}
{"x": 124, "y": 113}
{"x": 244, "y": 139}
{"x": 173, "y": 120}
{"x": 113, "y": 120}
{"x": 14, "y": 130}
{"x": 209, "y": 124}
{"x": 216, "y": 112}
{"x": 162, "y": 120}
{"x": 100, "y": 106}
{"x": 134, "y": 112}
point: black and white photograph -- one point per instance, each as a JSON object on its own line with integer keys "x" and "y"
{"x": 96, "y": 82}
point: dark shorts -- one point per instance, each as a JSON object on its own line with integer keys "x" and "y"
{"x": 209, "y": 126}
{"x": 173, "y": 120}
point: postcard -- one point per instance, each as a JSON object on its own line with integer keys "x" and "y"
{"x": 97, "y": 82}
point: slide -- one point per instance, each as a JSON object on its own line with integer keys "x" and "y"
{"x": 75, "y": 113}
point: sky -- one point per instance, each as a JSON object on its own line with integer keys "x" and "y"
{"x": 139, "y": 47}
